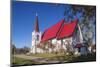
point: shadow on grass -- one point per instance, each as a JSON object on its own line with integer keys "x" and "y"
{"x": 85, "y": 58}
{"x": 62, "y": 59}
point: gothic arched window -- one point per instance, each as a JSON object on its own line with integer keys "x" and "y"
{"x": 37, "y": 37}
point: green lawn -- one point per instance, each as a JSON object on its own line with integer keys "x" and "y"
{"x": 84, "y": 58}
{"x": 21, "y": 61}
{"x": 47, "y": 55}
{"x": 68, "y": 58}
{"x": 59, "y": 57}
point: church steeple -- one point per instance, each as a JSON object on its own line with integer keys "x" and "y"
{"x": 36, "y": 24}
{"x": 36, "y": 37}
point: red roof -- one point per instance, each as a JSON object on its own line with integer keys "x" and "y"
{"x": 52, "y": 31}
{"x": 59, "y": 30}
{"x": 67, "y": 30}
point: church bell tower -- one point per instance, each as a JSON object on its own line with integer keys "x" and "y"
{"x": 36, "y": 36}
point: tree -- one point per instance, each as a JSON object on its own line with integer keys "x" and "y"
{"x": 13, "y": 49}
{"x": 87, "y": 19}
{"x": 43, "y": 46}
{"x": 51, "y": 46}
{"x": 26, "y": 49}
{"x": 69, "y": 48}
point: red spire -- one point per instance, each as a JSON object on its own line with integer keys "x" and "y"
{"x": 36, "y": 24}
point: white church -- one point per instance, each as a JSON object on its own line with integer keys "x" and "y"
{"x": 36, "y": 37}
{"x": 62, "y": 36}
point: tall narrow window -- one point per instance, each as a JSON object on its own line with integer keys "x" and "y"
{"x": 37, "y": 37}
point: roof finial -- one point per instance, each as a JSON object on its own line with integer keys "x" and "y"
{"x": 36, "y": 14}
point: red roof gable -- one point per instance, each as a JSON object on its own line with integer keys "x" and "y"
{"x": 67, "y": 30}
{"x": 59, "y": 30}
{"x": 52, "y": 31}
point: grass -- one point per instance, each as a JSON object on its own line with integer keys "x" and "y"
{"x": 68, "y": 58}
{"x": 84, "y": 58}
{"x": 20, "y": 61}
{"x": 59, "y": 57}
{"x": 47, "y": 55}
{"x": 52, "y": 56}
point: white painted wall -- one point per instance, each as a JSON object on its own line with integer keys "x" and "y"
{"x": 35, "y": 42}
{"x": 58, "y": 44}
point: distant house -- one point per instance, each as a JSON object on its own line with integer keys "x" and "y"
{"x": 63, "y": 36}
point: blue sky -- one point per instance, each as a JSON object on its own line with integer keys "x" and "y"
{"x": 23, "y": 19}
{"x": 24, "y": 15}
